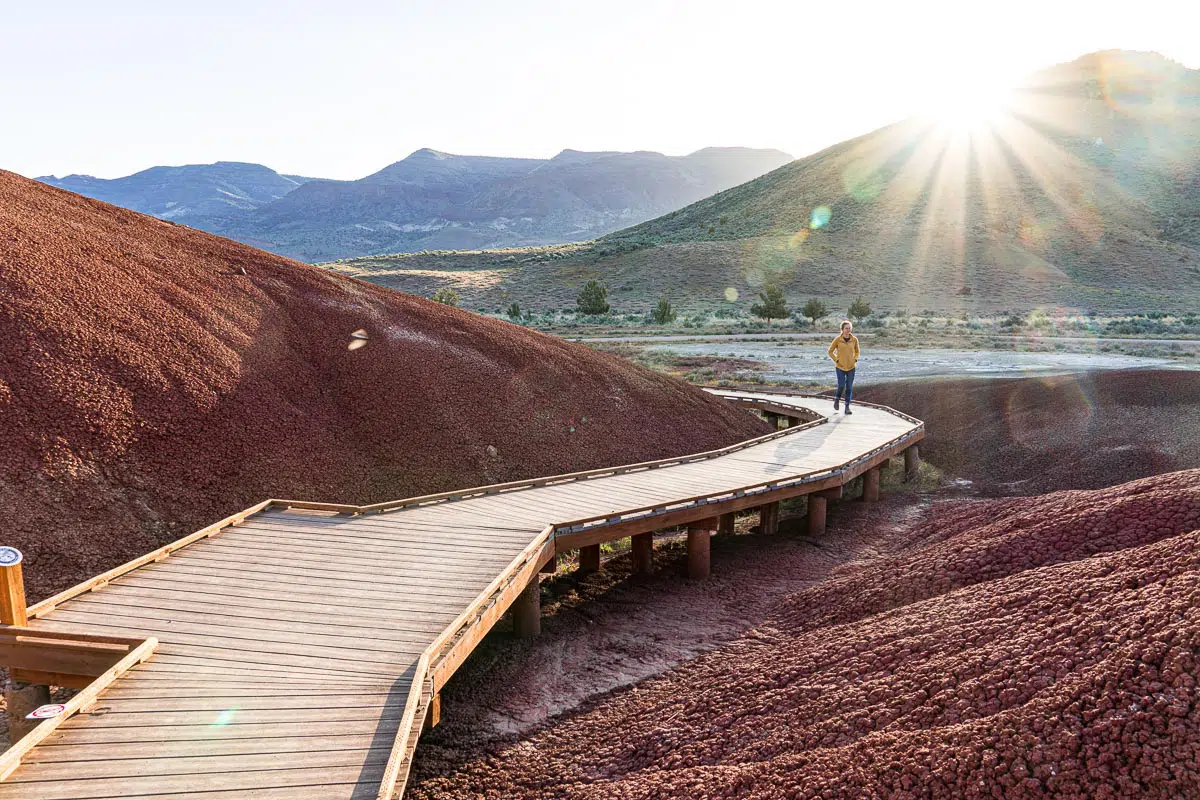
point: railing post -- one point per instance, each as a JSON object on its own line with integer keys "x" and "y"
{"x": 20, "y": 698}
{"x": 12, "y": 588}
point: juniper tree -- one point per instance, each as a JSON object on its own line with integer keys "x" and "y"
{"x": 592, "y": 300}
{"x": 773, "y": 306}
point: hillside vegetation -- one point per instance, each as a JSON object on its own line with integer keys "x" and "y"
{"x": 1084, "y": 193}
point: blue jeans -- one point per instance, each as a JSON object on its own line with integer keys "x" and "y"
{"x": 845, "y": 384}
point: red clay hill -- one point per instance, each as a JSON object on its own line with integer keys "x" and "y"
{"x": 154, "y": 379}
{"x": 1018, "y": 648}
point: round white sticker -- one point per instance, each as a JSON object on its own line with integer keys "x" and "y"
{"x": 46, "y": 711}
{"x": 9, "y": 556}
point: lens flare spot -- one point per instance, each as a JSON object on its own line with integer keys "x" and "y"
{"x": 820, "y": 217}
{"x": 225, "y": 717}
{"x": 862, "y": 183}
{"x": 798, "y": 238}
{"x": 1035, "y": 408}
{"x": 731, "y": 294}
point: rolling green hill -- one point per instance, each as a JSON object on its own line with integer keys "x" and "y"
{"x": 1083, "y": 192}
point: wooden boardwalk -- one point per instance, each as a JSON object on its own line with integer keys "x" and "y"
{"x": 301, "y": 648}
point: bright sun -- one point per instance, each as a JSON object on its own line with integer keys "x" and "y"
{"x": 966, "y": 105}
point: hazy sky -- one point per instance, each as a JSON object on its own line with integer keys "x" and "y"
{"x": 340, "y": 89}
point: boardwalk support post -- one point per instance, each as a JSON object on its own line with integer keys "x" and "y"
{"x": 726, "y": 524}
{"x": 816, "y": 514}
{"x": 433, "y": 716}
{"x": 589, "y": 559}
{"x": 699, "y": 537}
{"x": 643, "y": 553}
{"x": 768, "y": 518}
{"x": 871, "y": 485}
{"x": 912, "y": 462}
{"x": 527, "y": 610}
{"x": 22, "y": 698}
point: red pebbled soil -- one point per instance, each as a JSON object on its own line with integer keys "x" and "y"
{"x": 154, "y": 379}
{"x": 1032, "y": 435}
{"x": 1023, "y": 647}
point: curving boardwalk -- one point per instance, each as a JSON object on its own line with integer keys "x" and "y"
{"x": 301, "y": 646}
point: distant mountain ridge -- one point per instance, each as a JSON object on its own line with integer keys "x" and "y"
{"x": 1083, "y": 193}
{"x": 431, "y": 200}
{"x": 440, "y": 201}
{"x": 185, "y": 193}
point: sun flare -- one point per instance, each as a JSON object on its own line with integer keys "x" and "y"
{"x": 967, "y": 106}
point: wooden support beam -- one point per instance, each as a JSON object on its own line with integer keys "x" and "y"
{"x": 589, "y": 559}
{"x": 630, "y": 527}
{"x": 816, "y": 514}
{"x": 871, "y": 485}
{"x": 726, "y": 526}
{"x": 912, "y": 462}
{"x": 60, "y": 659}
{"x": 699, "y": 537}
{"x": 434, "y": 715}
{"x": 51, "y": 678}
{"x": 527, "y": 610}
{"x": 643, "y": 553}
{"x": 12, "y": 588}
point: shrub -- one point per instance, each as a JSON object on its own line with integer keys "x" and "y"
{"x": 514, "y": 311}
{"x": 592, "y": 300}
{"x": 663, "y": 314}
{"x": 814, "y": 309}
{"x": 773, "y": 306}
{"x": 445, "y": 296}
{"x": 859, "y": 309}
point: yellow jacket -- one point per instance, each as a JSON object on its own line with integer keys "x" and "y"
{"x": 843, "y": 353}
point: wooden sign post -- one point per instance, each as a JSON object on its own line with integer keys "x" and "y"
{"x": 12, "y": 588}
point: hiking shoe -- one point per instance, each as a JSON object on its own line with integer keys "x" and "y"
{"x": 836, "y": 404}
{"x": 848, "y": 411}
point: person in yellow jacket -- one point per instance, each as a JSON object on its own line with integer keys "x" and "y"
{"x": 844, "y": 352}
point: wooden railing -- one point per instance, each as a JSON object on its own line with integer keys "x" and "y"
{"x": 440, "y": 660}
{"x": 65, "y": 659}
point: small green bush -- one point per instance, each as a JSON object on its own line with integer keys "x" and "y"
{"x": 773, "y": 306}
{"x": 592, "y": 299}
{"x": 814, "y": 309}
{"x": 663, "y": 314}
{"x": 859, "y": 309}
{"x": 445, "y": 296}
